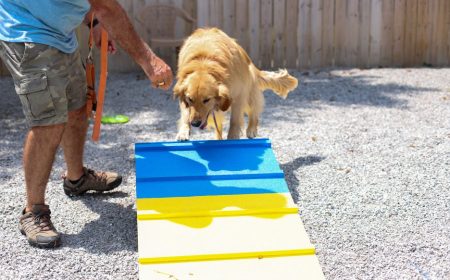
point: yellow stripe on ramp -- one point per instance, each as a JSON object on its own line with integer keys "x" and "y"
{"x": 284, "y": 268}
{"x": 232, "y": 256}
{"x": 215, "y": 202}
{"x": 217, "y": 213}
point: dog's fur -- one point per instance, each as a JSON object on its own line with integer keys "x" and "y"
{"x": 214, "y": 74}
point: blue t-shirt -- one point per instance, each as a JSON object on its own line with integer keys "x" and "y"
{"x": 49, "y": 22}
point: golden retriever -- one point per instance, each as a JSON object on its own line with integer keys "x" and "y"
{"x": 215, "y": 74}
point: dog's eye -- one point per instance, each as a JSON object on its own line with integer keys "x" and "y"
{"x": 190, "y": 100}
{"x": 206, "y": 100}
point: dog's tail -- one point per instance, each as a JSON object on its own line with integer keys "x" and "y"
{"x": 280, "y": 82}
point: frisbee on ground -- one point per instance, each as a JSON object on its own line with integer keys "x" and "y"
{"x": 116, "y": 119}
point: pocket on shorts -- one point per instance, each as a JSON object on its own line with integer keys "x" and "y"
{"x": 35, "y": 96}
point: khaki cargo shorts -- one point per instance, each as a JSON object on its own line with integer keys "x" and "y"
{"x": 49, "y": 83}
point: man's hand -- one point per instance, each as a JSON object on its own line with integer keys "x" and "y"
{"x": 97, "y": 32}
{"x": 158, "y": 72}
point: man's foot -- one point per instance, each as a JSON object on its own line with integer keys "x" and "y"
{"x": 92, "y": 181}
{"x": 38, "y": 228}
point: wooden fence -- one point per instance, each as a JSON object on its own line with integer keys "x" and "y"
{"x": 309, "y": 34}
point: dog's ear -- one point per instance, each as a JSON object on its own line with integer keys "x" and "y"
{"x": 179, "y": 90}
{"x": 224, "y": 99}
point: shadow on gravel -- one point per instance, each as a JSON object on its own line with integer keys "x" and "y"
{"x": 12, "y": 130}
{"x": 114, "y": 230}
{"x": 328, "y": 87}
{"x": 289, "y": 172}
{"x": 338, "y": 88}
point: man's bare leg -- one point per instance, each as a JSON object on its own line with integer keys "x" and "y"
{"x": 40, "y": 148}
{"x": 73, "y": 141}
{"x": 78, "y": 181}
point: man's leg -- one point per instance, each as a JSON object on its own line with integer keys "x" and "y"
{"x": 80, "y": 179}
{"x": 73, "y": 141}
{"x": 41, "y": 84}
{"x": 40, "y": 148}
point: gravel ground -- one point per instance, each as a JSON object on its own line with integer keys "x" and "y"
{"x": 366, "y": 155}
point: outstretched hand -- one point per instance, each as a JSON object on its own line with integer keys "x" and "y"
{"x": 158, "y": 72}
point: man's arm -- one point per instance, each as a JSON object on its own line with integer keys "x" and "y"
{"x": 115, "y": 20}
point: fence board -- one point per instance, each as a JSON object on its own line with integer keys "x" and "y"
{"x": 215, "y": 13}
{"x": 340, "y": 32}
{"x": 180, "y": 24}
{"x": 376, "y": 20}
{"x": 410, "y": 32}
{"x": 254, "y": 21}
{"x": 422, "y": 32}
{"x": 448, "y": 33}
{"x": 364, "y": 33}
{"x": 202, "y": 13}
{"x": 352, "y": 28}
{"x": 190, "y": 6}
{"x": 229, "y": 16}
{"x": 429, "y": 29}
{"x": 279, "y": 25}
{"x": 304, "y": 34}
{"x": 134, "y": 9}
{"x": 387, "y": 34}
{"x": 266, "y": 33}
{"x": 328, "y": 33}
{"x": 242, "y": 23}
{"x": 290, "y": 33}
{"x": 316, "y": 33}
{"x": 441, "y": 50}
{"x": 399, "y": 32}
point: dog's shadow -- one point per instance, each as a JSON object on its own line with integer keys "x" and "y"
{"x": 114, "y": 230}
{"x": 289, "y": 172}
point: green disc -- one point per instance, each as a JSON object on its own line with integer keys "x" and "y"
{"x": 115, "y": 119}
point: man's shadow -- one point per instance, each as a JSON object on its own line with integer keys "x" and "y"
{"x": 114, "y": 230}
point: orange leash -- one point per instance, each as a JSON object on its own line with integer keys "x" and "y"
{"x": 101, "y": 86}
{"x": 94, "y": 103}
{"x": 90, "y": 75}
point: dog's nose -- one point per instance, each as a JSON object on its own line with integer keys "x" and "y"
{"x": 196, "y": 123}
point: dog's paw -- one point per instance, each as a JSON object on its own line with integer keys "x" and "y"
{"x": 183, "y": 135}
{"x": 252, "y": 132}
{"x": 234, "y": 134}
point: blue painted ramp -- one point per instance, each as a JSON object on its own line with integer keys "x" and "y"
{"x": 214, "y": 209}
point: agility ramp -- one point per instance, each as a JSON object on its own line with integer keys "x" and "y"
{"x": 216, "y": 210}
